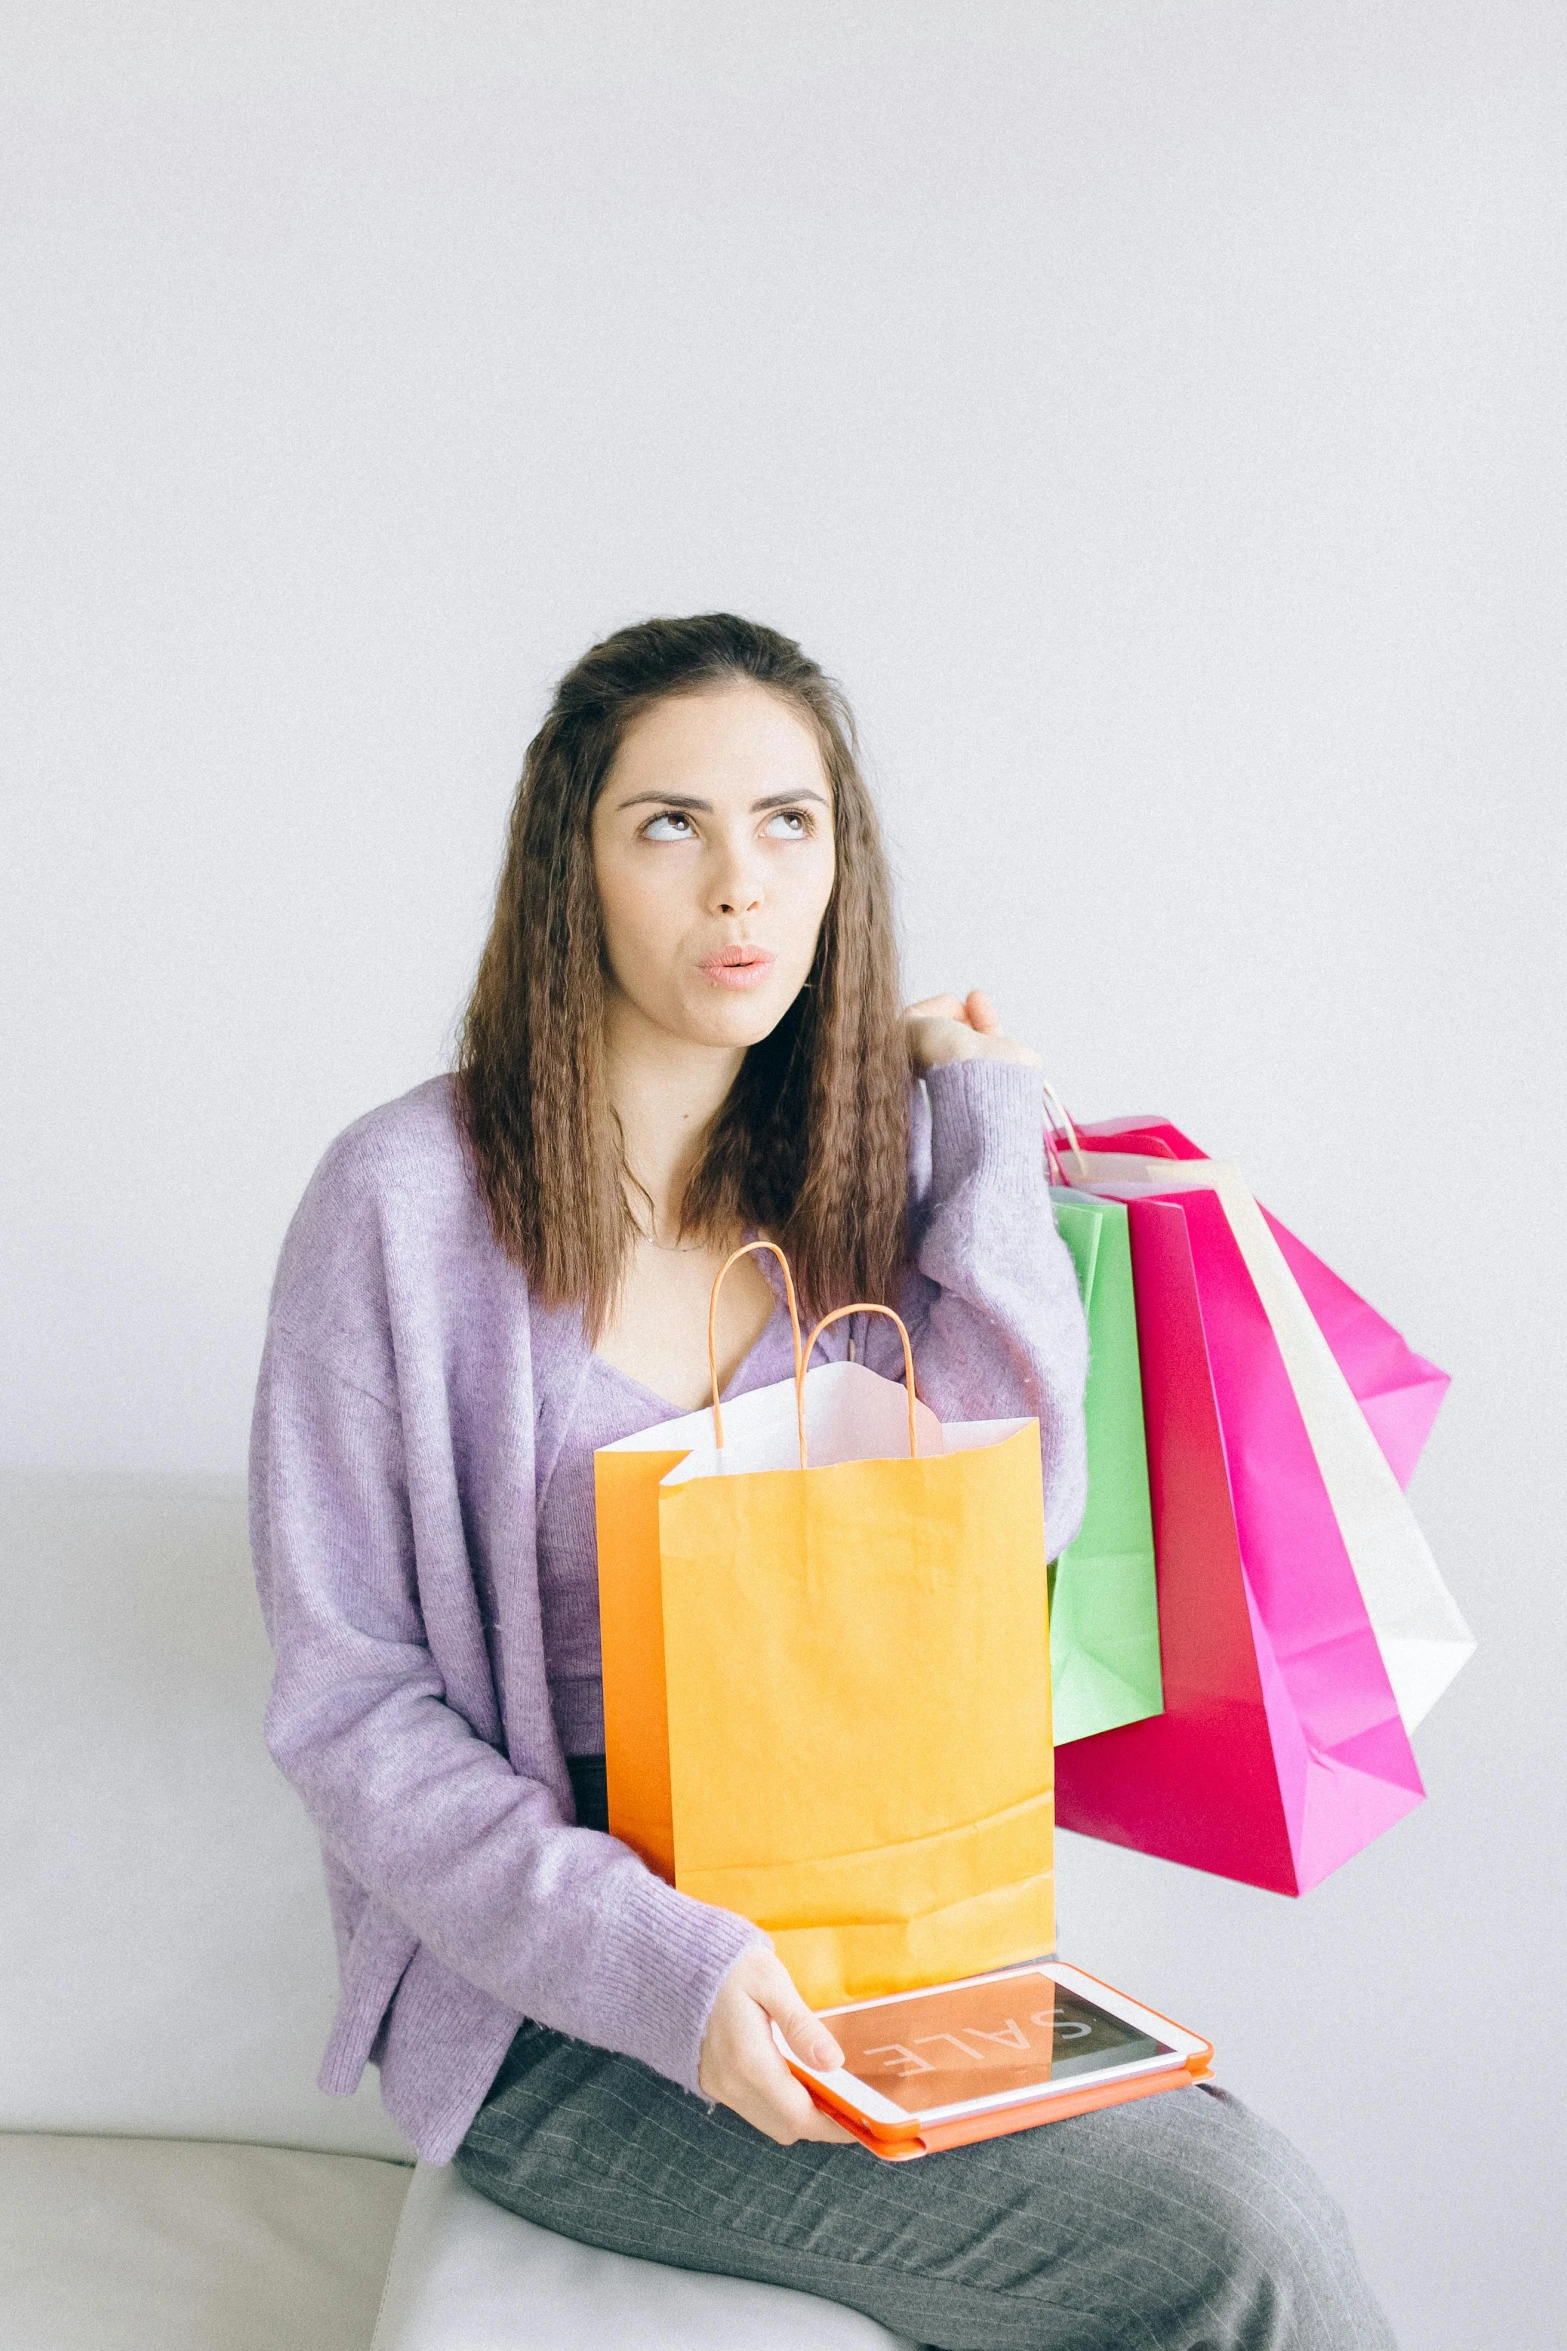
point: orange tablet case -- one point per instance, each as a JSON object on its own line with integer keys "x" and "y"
{"x": 903, "y": 2142}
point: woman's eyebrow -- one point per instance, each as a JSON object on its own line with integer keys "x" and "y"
{"x": 705, "y": 807}
{"x": 667, "y": 800}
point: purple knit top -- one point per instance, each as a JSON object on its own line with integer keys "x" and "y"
{"x": 423, "y": 1537}
{"x": 601, "y": 1405}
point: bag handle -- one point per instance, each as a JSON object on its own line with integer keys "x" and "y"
{"x": 837, "y": 1315}
{"x": 1061, "y": 1122}
{"x": 748, "y": 1249}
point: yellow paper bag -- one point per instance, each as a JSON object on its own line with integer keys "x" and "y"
{"x": 827, "y": 1687}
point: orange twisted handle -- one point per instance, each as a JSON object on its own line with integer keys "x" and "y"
{"x": 747, "y": 1249}
{"x": 837, "y": 1315}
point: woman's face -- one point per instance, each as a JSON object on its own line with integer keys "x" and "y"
{"x": 713, "y": 850}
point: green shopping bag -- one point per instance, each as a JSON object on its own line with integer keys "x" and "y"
{"x": 1104, "y": 1609}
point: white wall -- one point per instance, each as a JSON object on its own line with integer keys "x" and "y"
{"x": 1153, "y": 414}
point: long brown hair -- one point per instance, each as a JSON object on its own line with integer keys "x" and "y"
{"x": 811, "y": 1143}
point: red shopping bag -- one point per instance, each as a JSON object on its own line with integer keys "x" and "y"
{"x": 1399, "y": 1392}
{"x": 1280, "y": 1751}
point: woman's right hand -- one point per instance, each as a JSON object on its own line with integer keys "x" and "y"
{"x": 740, "y": 2065}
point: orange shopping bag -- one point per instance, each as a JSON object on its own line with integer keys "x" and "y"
{"x": 827, "y": 1672}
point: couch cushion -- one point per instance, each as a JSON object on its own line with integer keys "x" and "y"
{"x": 466, "y": 2276}
{"x": 168, "y": 1969}
{"x": 164, "y": 2245}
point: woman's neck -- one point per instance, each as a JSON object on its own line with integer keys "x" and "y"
{"x": 666, "y": 1093}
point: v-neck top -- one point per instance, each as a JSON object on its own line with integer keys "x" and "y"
{"x": 597, "y": 1407}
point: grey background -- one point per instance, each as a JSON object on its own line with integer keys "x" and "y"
{"x": 1153, "y": 414}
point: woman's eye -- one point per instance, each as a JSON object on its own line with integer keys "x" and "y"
{"x": 796, "y": 821}
{"x": 655, "y": 828}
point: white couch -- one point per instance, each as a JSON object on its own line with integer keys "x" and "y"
{"x": 170, "y": 2177}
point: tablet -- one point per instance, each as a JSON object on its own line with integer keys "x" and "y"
{"x": 1046, "y": 2037}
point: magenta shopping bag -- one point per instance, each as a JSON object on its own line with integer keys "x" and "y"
{"x": 1399, "y": 1392}
{"x": 1280, "y": 1751}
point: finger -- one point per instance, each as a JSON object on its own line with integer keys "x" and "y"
{"x": 805, "y": 2033}
{"x": 759, "y": 2085}
{"x": 936, "y": 1008}
{"x": 982, "y": 1012}
{"x": 824, "y": 2126}
{"x": 809, "y": 2038}
{"x": 788, "y": 2112}
{"x": 785, "y": 2126}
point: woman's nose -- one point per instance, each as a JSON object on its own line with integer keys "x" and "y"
{"x": 737, "y": 887}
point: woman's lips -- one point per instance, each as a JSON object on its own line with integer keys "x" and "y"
{"x": 737, "y": 967}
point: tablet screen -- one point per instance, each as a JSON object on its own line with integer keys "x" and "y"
{"x": 977, "y": 2040}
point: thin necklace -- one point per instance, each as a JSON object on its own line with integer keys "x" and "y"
{"x": 677, "y": 1248}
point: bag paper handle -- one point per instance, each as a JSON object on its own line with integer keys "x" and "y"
{"x": 837, "y": 1315}
{"x": 1057, "y": 1110}
{"x": 748, "y": 1249}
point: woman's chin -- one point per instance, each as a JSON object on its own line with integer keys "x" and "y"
{"x": 735, "y": 1019}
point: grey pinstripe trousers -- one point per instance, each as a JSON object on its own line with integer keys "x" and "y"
{"x": 1182, "y": 2223}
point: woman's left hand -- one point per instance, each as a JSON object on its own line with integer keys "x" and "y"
{"x": 959, "y": 1028}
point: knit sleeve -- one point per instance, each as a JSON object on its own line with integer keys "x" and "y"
{"x": 991, "y": 1299}
{"x": 392, "y": 1751}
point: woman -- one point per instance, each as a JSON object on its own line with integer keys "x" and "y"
{"x": 685, "y": 1031}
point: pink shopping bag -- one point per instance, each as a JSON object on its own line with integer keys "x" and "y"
{"x": 1280, "y": 1751}
{"x": 1399, "y": 1392}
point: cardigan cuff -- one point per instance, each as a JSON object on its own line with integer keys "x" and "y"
{"x": 987, "y": 1121}
{"x": 683, "y": 1951}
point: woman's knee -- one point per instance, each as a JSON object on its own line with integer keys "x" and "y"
{"x": 1248, "y": 2160}
{"x": 1269, "y": 2266}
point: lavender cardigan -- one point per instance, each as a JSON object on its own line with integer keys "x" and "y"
{"x": 405, "y": 1376}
